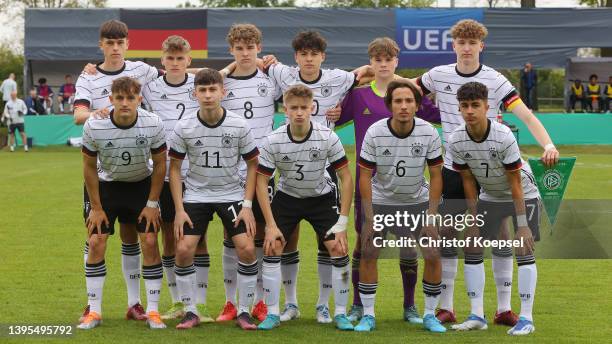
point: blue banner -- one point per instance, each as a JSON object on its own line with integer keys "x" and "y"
{"x": 423, "y": 35}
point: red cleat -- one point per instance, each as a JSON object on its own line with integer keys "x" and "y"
{"x": 190, "y": 320}
{"x": 507, "y": 318}
{"x": 446, "y": 316}
{"x": 260, "y": 311}
{"x": 245, "y": 322}
{"x": 228, "y": 313}
{"x": 136, "y": 312}
{"x": 84, "y": 315}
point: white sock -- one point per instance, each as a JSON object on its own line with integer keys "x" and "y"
{"x": 527, "y": 279}
{"x": 324, "y": 268}
{"x": 85, "y": 253}
{"x": 202, "y": 265}
{"x": 168, "y": 263}
{"x": 61, "y": 107}
{"x": 271, "y": 283}
{"x": 185, "y": 282}
{"x": 290, "y": 265}
{"x": 502, "y": 272}
{"x": 247, "y": 279}
{"x": 259, "y": 293}
{"x": 340, "y": 281}
{"x": 230, "y": 271}
{"x": 449, "y": 273}
{"x": 432, "y": 297}
{"x": 153, "y": 276}
{"x": 130, "y": 265}
{"x": 94, "y": 279}
{"x": 367, "y": 293}
{"x": 475, "y": 282}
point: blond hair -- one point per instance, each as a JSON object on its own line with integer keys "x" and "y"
{"x": 247, "y": 33}
{"x": 175, "y": 44}
{"x": 469, "y": 29}
{"x": 298, "y": 91}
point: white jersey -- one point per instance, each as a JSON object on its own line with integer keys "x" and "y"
{"x": 399, "y": 161}
{"x": 301, "y": 164}
{"x": 171, "y": 103}
{"x": 444, "y": 81}
{"x": 329, "y": 88}
{"x": 489, "y": 159}
{"x": 124, "y": 152}
{"x": 16, "y": 110}
{"x": 93, "y": 91}
{"x": 252, "y": 96}
{"x": 214, "y": 153}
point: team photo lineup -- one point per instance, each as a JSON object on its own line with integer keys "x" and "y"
{"x": 166, "y": 149}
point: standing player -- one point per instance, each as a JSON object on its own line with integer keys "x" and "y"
{"x": 468, "y": 41}
{"x": 300, "y": 151}
{"x": 92, "y": 100}
{"x": 125, "y": 187}
{"x": 251, "y": 93}
{"x": 14, "y": 110}
{"x": 396, "y": 150}
{"x": 213, "y": 140}
{"x": 486, "y": 152}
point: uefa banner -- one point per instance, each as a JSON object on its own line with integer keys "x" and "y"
{"x": 423, "y": 35}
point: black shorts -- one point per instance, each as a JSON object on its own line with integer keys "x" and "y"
{"x": 18, "y": 126}
{"x": 166, "y": 204}
{"x": 453, "y": 195}
{"x": 202, "y": 213}
{"x": 495, "y": 212}
{"x": 411, "y": 231}
{"x": 123, "y": 201}
{"x": 334, "y": 179}
{"x": 257, "y": 213}
{"x": 321, "y": 212}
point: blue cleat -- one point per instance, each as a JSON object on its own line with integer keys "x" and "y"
{"x": 271, "y": 321}
{"x": 411, "y": 315}
{"x": 356, "y": 313}
{"x": 522, "y": 328}
{"x": 342, "y": 323}
{"x": 432, "y": 324}
{"x": 367, "y": 324}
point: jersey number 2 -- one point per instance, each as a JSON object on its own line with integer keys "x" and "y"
{"x": 182, "y": 107}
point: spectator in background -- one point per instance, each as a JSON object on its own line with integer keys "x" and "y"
{"x": 34, "y": 104}
{"x": 607, "y": 96}
{"x": 594, "y": 94}
{"x": 577, "y": 93}
{"x": 66, "y": 94}
{"x": 8, "y": 86}
{"x": 14, "y": 111}
{"x": 529, "y": 82}
{"x": 45, "y": 94}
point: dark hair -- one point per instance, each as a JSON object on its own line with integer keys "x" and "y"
{"x": 593, "y": 76}
{"x": 67, "y": 76}
{"x": 472, "y": 91}
{"x": 309, "y": 40}
{"x": 208, "y": 76}
{"x": 125, "y": 85}
{"x": 42, "y": 80}
{"x": 298, "y": 91}
{"x": 394, "y": 85}
{"x": 113, "y": 29}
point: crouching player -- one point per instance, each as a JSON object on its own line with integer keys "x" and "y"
{"x": 125, "y": 187}
{"x": 486, "y": 152}
{"x": 299, "y": 151}
{"x": 392, "y": 163}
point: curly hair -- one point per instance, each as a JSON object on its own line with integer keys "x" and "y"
{"x": 469, "y": 29}
{"x": 247, "y": 33}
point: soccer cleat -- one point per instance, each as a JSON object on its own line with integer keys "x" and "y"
{"x": 271, "y": 321}
{"x": 85, "y": 312}
{"x": 507, "y": 318}
{"x": 245, "y": 322}
{"x": 154, "y": 321}
{"x": 91, "y": 320}
{"x": 473, "y": 322}
{"x": 136, "y": 312}
{"x": 12, "y": 148}
{"x": 290, "y": 312}
{"x": 204, "y": 314}
{"x": 342, "y": 323}
{"x": 446, "y": 316}
{"x": 367, "y": 324}
{"x": 356, "y": 313}
{"x": 228, "y": 313}
{"x": 323, "y": 316}
{"x": 189, "y": 320}
{"x": 411, "y": 315}
{"x": 523, "y": 327}
{"x": 25, "y": 148}
{"x": 260, "y": 311}
{"x": 432, "y": 324}
{"x": 175, "y": 312}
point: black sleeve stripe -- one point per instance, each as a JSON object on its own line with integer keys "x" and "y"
{"x": 250, "y": 155}
{"x": 81, "y": 102}
{"x": 435, "y": 161}
{"x": 159, "y": 149}
{"x": 514, "y": 166}
{"x": 460, "y": 167}
{"x": 261, "y": 169}
{"x": 88, "y": 152}
{"x": 160, "y": 72}
{"x": 176, "y": 155}
{"x": 367, "y": 164}
{"x": 420, "y": 83}
{"x": 338, "y": 164}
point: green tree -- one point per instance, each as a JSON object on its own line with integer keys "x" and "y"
{"x": 596, "y": 3}
{"x": 239, "y": 3}
{"x": 11, "y": 63}
{"x": 378, "y": 3}
{"x": 53, "y": 3}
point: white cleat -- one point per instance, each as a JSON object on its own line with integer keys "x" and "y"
{"x": 91, "y": 320}
{"x": 323, "y": 316}
{"x": 154, "y": 321}
{"x": 523, "y": 327}
{"x": 290, "y": 312}
{"x": 473, "y": 322}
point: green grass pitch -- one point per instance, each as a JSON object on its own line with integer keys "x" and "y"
{"x": 41, "y": 270}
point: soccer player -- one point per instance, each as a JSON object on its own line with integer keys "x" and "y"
{"x": 392, "y": 162}
{"x": 213, "y": 141}
{"x": 486, "y": 152}
{"x": 92, "y": 100}
{"x": 300, "y": 151}
{"x": 251, "y": 93}
{"x": 468, "y": 41}
{"x": 14, "y": 110}
{"x": 66, "y": 94}
{"x": 45, "y": 94}
{"x": 124, "y": 187}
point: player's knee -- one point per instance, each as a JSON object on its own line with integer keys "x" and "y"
{"x": 97, "y": 244}
{"x": 149, "y": 241}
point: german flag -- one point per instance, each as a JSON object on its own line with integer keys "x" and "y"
{"x": 149, "y": 28}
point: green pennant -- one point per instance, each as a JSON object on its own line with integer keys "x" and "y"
{"x": 551, "y": 182}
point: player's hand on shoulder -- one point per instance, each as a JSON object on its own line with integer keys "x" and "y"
{"x": 100, "y": 113}
{"x": 152, "y": 217}
{"x": 180, "y": 218}
{"x": 246, "y": 215}
{"x": 95, "y": 220}
{"x": 90, "y": 69}
{"x": 267, "y": 61}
